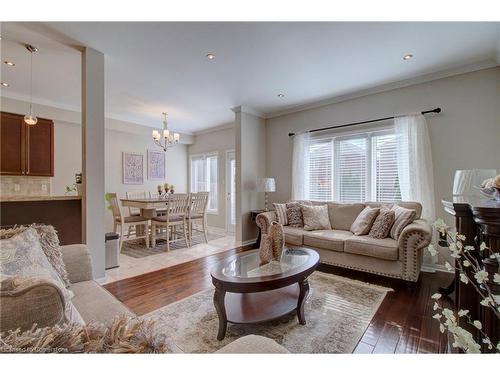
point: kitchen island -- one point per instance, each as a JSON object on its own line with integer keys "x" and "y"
{"x": 64, "y": 212}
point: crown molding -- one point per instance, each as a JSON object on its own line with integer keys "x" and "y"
{"x": 485, "y": 64}
{"x": 229, "y": 125}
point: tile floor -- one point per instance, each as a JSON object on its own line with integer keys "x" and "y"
{"x": 130, "y": 267}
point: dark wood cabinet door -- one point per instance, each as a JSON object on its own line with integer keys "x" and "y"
{"x": 12, "y": 145}
{"x": 40, "y": 148}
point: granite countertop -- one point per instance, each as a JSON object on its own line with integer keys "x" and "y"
{"x": 40, "y": 198}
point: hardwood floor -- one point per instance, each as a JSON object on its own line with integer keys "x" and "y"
{"x": 402, "y": 324}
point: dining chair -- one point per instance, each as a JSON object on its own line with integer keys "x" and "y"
{"x": 175, "y": 216}
{"x": 198, "y": 213}
{"x": 135, "y": 195}
{"x": 159, "y": 211}
{"x": 126, "y": 222}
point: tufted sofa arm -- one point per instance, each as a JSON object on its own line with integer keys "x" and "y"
{"x": 264, "y": 221}
{"x": 78, "y": 262}
{"x": 411, "y": 241}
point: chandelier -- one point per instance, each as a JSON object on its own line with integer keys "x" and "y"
{"x": 30, "y": 118}
{"x": 165, "y": 139}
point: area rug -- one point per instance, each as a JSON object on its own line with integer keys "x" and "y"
{"x": 137, "y": 248}
{"x": 338, "y": 311}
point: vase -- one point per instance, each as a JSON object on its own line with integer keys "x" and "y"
{"x": 277, "y": 242}
{"x": 265, "y": 250}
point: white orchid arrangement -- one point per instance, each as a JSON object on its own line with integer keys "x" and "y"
{"x": 466, "y": 266}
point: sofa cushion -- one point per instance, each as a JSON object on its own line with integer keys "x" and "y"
{"x": 281, "y": 213}
{"x": 403, "y": 217}
{"x": 96, "y": 304}
{"x": 383, "y": 248}
{"x": 342, "y": 215}
{"x": 294, "y": 236}
{"x": 409, "y": 205}
{"x": 364, "y": 221}
{"x": 294, "y": 214}
{"x": 327, "y": 239}
{"x": 316, "y": 217}
{"x": 382, "y": 225}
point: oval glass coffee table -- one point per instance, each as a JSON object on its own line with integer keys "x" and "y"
{"x": 247, "y": 292}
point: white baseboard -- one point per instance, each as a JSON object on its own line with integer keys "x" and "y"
{"x": 432, "y": 268}
{"x": 249, "y": 242}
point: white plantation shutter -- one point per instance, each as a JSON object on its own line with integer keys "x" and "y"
{"x": 354, "y": 168}
{"x": 204, "y": 177}
{"x": 351, "y": 169}
{"x": 321, "y": 170}
{"x": 385, "y": 168}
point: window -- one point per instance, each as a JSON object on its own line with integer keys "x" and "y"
{"x": 354, "y": 168}
{"x": 204, "y": 177}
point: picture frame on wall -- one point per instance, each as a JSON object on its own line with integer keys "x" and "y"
{"x": 156, "y": 165}
{"x": 132, "y": 168}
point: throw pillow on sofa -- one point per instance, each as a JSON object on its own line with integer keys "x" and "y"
{"x": 382, "y": 225}
{"x": 50, "y": 246}
{"x": 294, "y": 215}
{"x": 364, "y": 221}
{"x": 316, "y": 217}
{"x": 403, "y": 217}
{"x": 281, "y": 213}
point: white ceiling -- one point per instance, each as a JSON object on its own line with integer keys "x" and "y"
{"x": 153, "y": 67}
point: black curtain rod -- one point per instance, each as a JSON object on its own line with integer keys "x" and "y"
{"x": 435, "y": 110}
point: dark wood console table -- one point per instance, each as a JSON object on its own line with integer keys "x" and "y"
{"x": 479, "y": 220}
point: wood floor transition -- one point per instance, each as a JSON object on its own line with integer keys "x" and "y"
{"x": 402, "y": 324}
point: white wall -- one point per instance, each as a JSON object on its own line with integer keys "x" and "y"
{"x": 116, "y": 142}
{"x": 465, "y": 135}
{"x": 250, "y": 166}
{"x": 218, "y": 141}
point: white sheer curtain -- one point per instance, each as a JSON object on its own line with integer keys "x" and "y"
{"x": 415, "y": 168}
{"x": 300, "y": 166}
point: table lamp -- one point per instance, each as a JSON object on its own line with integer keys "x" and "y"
{"x": 266, "y": 185}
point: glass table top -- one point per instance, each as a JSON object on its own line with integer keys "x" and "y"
{"x": 246, "y": 266}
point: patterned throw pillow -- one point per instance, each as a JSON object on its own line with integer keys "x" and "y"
{"x": 364, "y": 221}
{"x": 294, "y": 214}
{"x": 382, "y": 224}
{"x": 50, "y": 246}
{"x": 281, "y": 213}
{"x": 316, "y": 217}
{"x": 403, "y": 217}
{"x": 21, "y": 256}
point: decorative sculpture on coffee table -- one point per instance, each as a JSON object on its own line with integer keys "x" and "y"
{"x": 271, "y": 245}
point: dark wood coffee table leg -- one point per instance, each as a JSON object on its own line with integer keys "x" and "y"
{"x": 220, "y": 307}
{"x": 304, "y": 291}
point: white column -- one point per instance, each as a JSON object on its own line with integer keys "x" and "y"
{"x": 250, "y": 166}
{"x": 93, "y": 205}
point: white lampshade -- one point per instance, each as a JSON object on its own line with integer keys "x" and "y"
{"x": 267, "y": 185}
{"x": 468, "y": 181}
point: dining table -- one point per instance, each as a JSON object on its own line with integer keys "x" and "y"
{"x": 148, "y": 206}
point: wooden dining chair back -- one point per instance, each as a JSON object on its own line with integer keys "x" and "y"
{"x": 198, "y": 213}
{"x": 175, "y": 216}
{"x": 135, "y": 195}
{"x": 127, "y": 223}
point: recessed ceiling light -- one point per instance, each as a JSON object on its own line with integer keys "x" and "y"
{"x": 4, "y": 84}
{"x": 210, "y": 56}
{"x": 408, "y": 56}
{"x": 281, "y": 95}
{"x": 9, "y": 63}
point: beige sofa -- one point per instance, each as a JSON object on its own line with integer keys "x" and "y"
{"x": 43, "y": 304}
{"x": 401, "y": 258}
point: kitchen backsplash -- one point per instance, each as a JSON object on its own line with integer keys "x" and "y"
{"x": 15, "y": 186}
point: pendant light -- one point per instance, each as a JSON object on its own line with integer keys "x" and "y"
{"x": 30, "y": 118}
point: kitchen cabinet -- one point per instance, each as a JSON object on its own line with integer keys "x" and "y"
{"x": 26, "y": 150}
